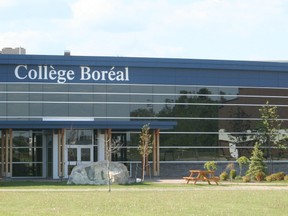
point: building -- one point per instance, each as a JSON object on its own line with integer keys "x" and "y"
{"x": 15, "y": 51}
{"x": 60, "y": 111}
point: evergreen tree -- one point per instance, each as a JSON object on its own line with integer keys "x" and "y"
{"x": 256, "y": 162}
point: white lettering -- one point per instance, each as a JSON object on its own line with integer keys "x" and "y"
{"x": 52, "y": 74}
{"x": 44, "y": 72}
{"x": 85, "y": 73}
{"x": 120, "y": 76}
{"x": 70, "y": 75}
{"x": 32, "y": 74}
{"x": 126, "y": 74}
{"x": 17, "y": 72}
{"x": 96, "y": 75}
{"x": 104, "y": 73}
{"x": 111, "y": 75}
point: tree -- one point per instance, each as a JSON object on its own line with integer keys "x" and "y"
{"x": 269, "y": 130}
{"x": 256, "y": 162}
{"x": 242, "y": 161}
{"x": 112, "y": 146}
{"x": 145, "y": 147}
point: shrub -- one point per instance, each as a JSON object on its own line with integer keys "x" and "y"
{"x": 259, "y": 176}
{"x": 238, "y": 177}
{"x": 210, "y": 165}
{"x": 246, "y": 178}
{"x": 224, "y": 176}
{"x": 276, "y": 177}
{"x": 232, "y": 174}
{"x": 279, "y": 176}
{"x": 286, "y": 177}
{"x": 269, "y": 178}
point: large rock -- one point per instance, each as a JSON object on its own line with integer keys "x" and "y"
{"x": 96, "y": 173}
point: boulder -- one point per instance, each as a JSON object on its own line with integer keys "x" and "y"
{"x": 96, "y": 173}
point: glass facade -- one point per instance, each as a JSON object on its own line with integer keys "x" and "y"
{"x": 31, "y": 153}
{"x": 208, "y": 118}
{"x": 215, "y": 105}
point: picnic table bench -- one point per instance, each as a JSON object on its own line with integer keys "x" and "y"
{"x": 202, "y": 175}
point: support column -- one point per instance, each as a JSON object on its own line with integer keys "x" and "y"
{"x": 61, "y": 153}
{"x": 156, "y": 153}
{"x": 11, "y": 151}
{"x": 7, "y": 153}
{"x": 3, "y": 136}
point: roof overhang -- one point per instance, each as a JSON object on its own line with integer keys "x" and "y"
{"x": 123, "y": 125}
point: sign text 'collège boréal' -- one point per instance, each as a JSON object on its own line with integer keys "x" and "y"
{"x": 85, "y": 73}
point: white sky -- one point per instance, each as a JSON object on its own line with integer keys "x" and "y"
{"x": 199, "y": 29}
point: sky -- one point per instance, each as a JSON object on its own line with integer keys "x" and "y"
{"x": 194, "y": 29}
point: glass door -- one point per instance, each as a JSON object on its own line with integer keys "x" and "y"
{"x": 78, "y": 155}
{"x": 80, "y": 148}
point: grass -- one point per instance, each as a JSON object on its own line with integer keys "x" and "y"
{"x": 50, "y": 198}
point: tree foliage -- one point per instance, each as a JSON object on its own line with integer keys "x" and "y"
{"x": 269, "y": 127}
{"x": 145, "y": 146}
{"x": 256, "y": 162}
{"x": 242, "y": 161}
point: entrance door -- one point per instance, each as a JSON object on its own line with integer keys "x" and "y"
{"x": 77, "y": 155}
{"x": 79, "y": 148}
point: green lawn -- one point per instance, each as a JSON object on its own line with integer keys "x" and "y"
{"x": 36, "y": 198}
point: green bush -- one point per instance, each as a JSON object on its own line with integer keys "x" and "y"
{"x": 232, "y": 174}
{"x": 210, "y": 165}
{"x": 276, "y": 177}
{"x": 246, "y": 178}
{"x": 224, "y": 176}
{"x": 260, "y": 176}
{"x": 280, "y": 176}
{"x": 238, "y": 177}
{"x": 286, "y": 177}
{"x": 268, "y": 178}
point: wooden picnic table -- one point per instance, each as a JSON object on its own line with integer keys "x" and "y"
{"x": 202, "y": 175}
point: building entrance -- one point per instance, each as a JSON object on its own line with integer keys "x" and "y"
{"x": 79, "y": 148}
{"x": 77, "y": 155}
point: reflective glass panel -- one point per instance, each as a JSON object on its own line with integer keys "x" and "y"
{"x": 85, "y": 154}
{"x": 79, "y": 137}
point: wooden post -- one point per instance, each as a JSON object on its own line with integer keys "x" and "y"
{"x": 3, "y": 137}
{"x": 156, "y": 153}
{"x": 11, "y": 151}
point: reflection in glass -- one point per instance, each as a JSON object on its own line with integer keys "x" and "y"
{"x": 27, "y": 170}
{"x": 72, "y": 154}
{"x": 79, "y": 137}
{"x": 85, "y": 154}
